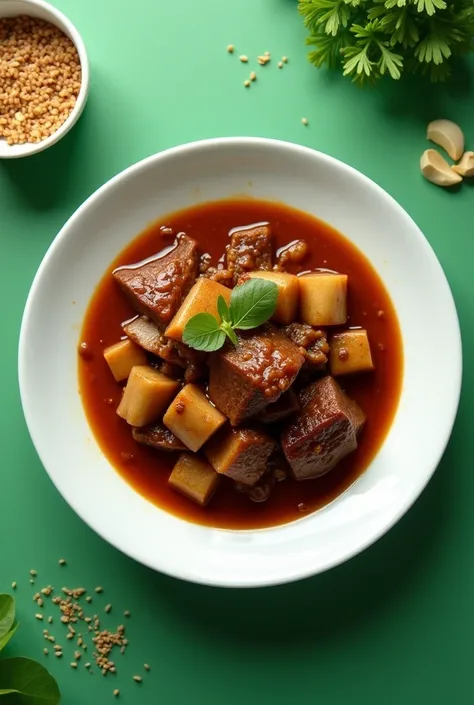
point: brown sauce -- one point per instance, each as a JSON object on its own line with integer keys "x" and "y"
{"x": 378, "y": 392}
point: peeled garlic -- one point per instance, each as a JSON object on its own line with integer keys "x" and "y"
{"x": 437, "y": 170}
{"x": 447, "y": 135}
{"x": 466, "y": 166}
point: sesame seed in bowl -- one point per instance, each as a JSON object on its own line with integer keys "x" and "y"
{"x": 44, "y": 77}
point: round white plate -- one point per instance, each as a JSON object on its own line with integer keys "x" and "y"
{"x": 83, "y": 250}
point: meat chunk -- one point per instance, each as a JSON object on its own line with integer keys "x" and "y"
{"x": 156, "y": 286}
{"x": 245, "y": 378}
{"x": 250, "y": 248}
{"x": 283, "y": 407}
{"x": 323, "y": 432}
{"x": 157, "y": 436}
{"x": 240, "y": 454}
{"x": 148, "y": 336}
{"x": 312, "y": 342}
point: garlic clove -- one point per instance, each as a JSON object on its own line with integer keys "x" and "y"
{"x": 466, "y": 166}
{"x": 437, "y": 170}
{"x": 447, "y": 135}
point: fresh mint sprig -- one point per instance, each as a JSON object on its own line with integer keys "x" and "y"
{"x": 251, "y": 304}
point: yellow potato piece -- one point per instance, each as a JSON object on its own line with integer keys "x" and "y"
{"x": 350, "y": 352}
{"x": 122, "y": 356}
{"x": 192, "y": 417}
{"x": 202, "y": 298}
{"x": 194, "y": 478}
{"x": 288, "y": 294}
{"x": 146, "y": 396}
{"x": 323, "y": 299}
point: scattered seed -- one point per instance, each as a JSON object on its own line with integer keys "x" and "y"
{"x": 32, "y": 581}
{"x": 39, "y": 602}
{"x": 266, "y": 53}
{"x": 33, "y": 573}
{"x": 117, "y": 691}
{"x": 14, "y": 585}
{"x": 146, "y": 666}
{"x": 253, "y": 76}
{"x": 87, "y": 665}
{"x": 45, "y": 651}
{"x": 230, "y": 48}
{"x": 77, "y": 655}
{"x": 108, "y": 608}
{"x": 39, "y": 616}
{"x": 127, "y": 613}
{"x": 280, "y": 64}
{"x": 62, "y": 561}
{"x": 122, "y": 650}
{"x": 70, "y": 636}
{"x": 57, "y": 647}
{"x": 263, "y": 60}
{"x": 36, "y": 596}
{"x": 89, "y": 599}
{"x": 58, "y": 654}
{"x": 304, "y": 121}
{"x": 247, "y": 83}
{"x": 284, "y": 59}
{"x": 99, "y": 589}
{"x": 47, "y": 591}
{"x": 244, "y": 59}
{"x": 73, "y": 664}
{"x": 52, "y": 639}
{"x": 137, "y": 679}
{"x": 50, "y": 620}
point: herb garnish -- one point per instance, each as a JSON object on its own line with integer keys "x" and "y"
{"x": 23, "y": 679}
{"x": 371, "y": 38}
{"x": 251, "y": 304}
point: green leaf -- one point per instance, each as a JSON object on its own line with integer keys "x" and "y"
{"x": 26, "y": 682}
{"x": 7, "y": 613}
{"x": 226, "y": 326}
{"x": 5, "y": 638}
{"x": 252, "y": 303}
{"x": 202, "y": 332}
{"x": 390, "y": 62}
{"x": 429, "y": 6}
{"x": 222, "y": 308}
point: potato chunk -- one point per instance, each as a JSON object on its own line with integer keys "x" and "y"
{"x": 192, "y": 418}
{"x": 194, "y": 478}
{"x": 350, "y": 352}
{"x": 146, "y": 396}
{"x": 122, "y": 356}
{"x": 201, "y": 299}
{"x": 288, "y": 294}
{"x": 241, "y": 454}
{"x": 323, "y": 299}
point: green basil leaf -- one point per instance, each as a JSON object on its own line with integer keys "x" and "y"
{"x": 252, "y": 303}
{"x": 223, "y": 309}
{"x": 229, "y": 331}
{"x": 27, "y": 682}
{"x": 7, "y": 613}
{"x": 202, "y": 332}
{"x": 5, "y": 638}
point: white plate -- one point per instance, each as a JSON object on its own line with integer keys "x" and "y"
{"x": 83, "y": 250}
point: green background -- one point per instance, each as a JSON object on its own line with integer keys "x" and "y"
{"x": 393, "y": 626}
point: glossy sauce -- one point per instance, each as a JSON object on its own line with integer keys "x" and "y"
{"x": 377, "y": 392}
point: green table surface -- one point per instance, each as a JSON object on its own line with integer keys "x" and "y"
{"x": 393, "y": 626}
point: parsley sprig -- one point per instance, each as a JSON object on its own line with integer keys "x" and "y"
{"x": 251, "y": 304}
{"x": 373, "y": 38}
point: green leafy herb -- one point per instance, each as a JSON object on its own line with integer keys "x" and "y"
{"x": 373, "y": 38}
{"x": 251, "y": 304}
{"x": 23, "y": 681}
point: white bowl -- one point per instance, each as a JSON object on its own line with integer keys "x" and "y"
{"x": 45, "y": 11}
{"x": 84, "y": 249}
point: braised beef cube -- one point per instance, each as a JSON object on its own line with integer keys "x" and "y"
{"x": 312, "y": 341}
{"x": 158, "y": 436}
{"x": 247, "y": 377}
{"x": 156, "y": 286}
{"x": 283, "y": 407}
{"x": 250, "y": 249}
{"x": 147, "y": 335}
{"x": 323, "y": 432}
{"x": 240, "y": 454}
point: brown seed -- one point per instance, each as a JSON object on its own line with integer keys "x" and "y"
{"x": 39, "y": 616}
{"x": 99, "y": 589}
{"x": 244, "y": 59}
{"x": 36, "y": 596}
{"x": 230, "y": 48}
{"x": 253, "y": 76}
{"x": 62, "y": 561}
{"x": 108, "y": 608}
{"x": 137, "y": 679}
